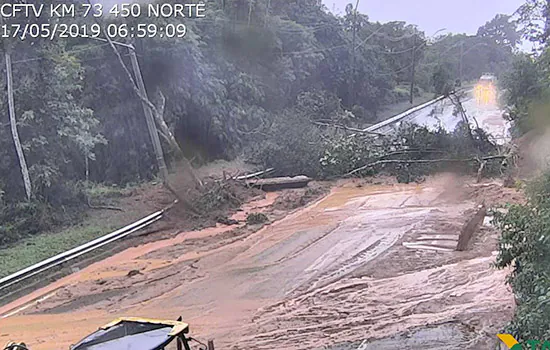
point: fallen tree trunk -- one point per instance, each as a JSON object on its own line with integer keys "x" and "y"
{"x": 470, "y": 227}
{"x": 277, "y": 183}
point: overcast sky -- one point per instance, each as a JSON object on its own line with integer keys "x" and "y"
{"x": 457, "y": 16}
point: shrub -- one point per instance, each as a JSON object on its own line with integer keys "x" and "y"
{"x": 293, "y": 146}
{"x": 23, "y": 219}
{"x": 256, "y": 218}
{"x": 525, "y": 245}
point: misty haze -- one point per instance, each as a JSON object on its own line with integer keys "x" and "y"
{"x": 274, "y": 174}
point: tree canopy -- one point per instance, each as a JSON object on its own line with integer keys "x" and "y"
{"x": 236, "y": 71}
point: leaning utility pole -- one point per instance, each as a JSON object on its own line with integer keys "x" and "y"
{"x": 352, "y": 71}
{"x": 413, "y": 68}
{"x": 13, "y": 123}
{"x": 151, "y": 126}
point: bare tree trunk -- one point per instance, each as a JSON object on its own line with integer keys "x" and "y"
{"x": 249, "y": 11}
{"x": 169, "y": 137}
{"x": 14, "y": 132}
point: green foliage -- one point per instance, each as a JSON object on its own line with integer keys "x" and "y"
{"x": 525, "y": 245}
{"x": 534, "y": 18}
{"x": 292, "y": 147}
{"x": 344, "y": 153}
{"x": 253, "y": 77}
{"x": 34, "y": 249}
{"x": 522, "y": 83}
{"x": 22, "y": 220}
{"x": 326, "y": 153}
{"x": 401, "y": 93}
{"x": 502, "y": 31}
{"x": 526, "y": 86}
{"x": 525, "y": 241}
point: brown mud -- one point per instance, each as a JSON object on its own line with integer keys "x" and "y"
{"x": 335, "y": 272}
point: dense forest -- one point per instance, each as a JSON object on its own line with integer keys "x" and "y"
{"x": 249, "y": 79}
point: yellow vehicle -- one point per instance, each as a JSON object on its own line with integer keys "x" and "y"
{"x": 131, "y": 333}
{"x": 485, "y": 90}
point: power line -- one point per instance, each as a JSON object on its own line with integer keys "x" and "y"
{"x": 399, "y": 70}
{"x": 402, "y": 69}
{"x": 333, "y": 47}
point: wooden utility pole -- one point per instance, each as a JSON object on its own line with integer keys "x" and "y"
{"x": 352, "y": 71}
{"x": 146, "y": 103}
{"x": 460, "y": 61}
{"x": 13, "y": 123}
{"x": 413, "y": 69}
{"x": 151, "y": 126}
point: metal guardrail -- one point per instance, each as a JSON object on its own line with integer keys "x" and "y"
{"x": 78, "y": 251}
{"x": 71, "y": 254}
{"x": 400, "y": 116}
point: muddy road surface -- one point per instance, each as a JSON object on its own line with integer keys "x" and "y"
{"x": 365, "y": 262}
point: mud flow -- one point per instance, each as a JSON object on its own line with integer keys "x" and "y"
{"x": 371, "y": 266}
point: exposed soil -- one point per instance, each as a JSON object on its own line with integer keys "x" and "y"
{"x": 331, "y": 275}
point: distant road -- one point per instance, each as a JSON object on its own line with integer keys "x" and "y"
{"x": 441, "y": 113}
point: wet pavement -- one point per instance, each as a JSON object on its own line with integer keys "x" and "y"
{"x": 487, "y": 116}
{"x": 350, "y": 270}
{"x": 300, "y": 283}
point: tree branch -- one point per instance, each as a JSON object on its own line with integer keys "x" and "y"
{"x": 339, "y": 126}
{"x": 421, "y": 161}
{"x": 162, "y": 102}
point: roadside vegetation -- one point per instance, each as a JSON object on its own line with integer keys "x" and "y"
{"x": 525, "y": 242}
{"x": 36, "y": 248}
{"x": 286, "y": 84}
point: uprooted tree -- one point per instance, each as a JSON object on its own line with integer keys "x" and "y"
{"x": 325, "y": 144}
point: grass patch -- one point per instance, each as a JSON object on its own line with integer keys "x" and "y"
{"x": 35, "y": 249}
{"x": 102, "y": 191}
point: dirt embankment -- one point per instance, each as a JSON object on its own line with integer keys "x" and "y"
{"x": 334, "y": 274}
